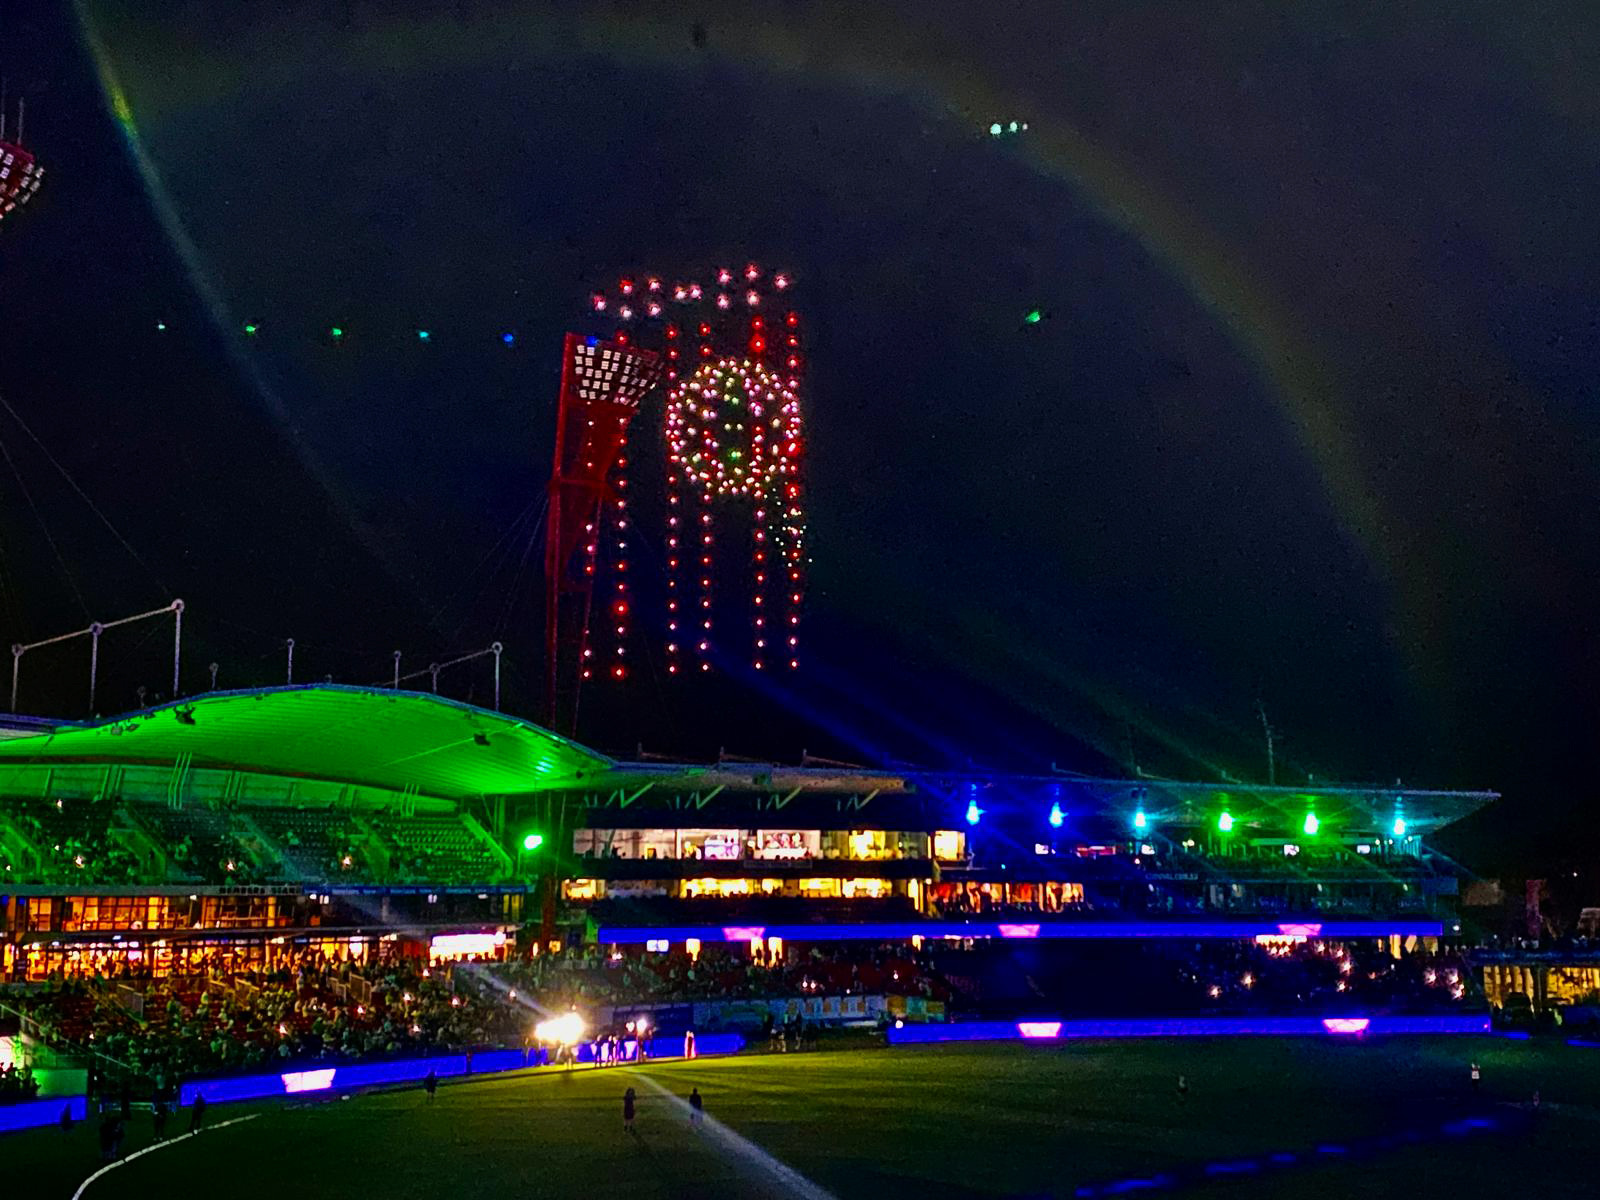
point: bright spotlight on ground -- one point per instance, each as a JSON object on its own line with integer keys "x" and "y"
{"x": 565, "y": 1030}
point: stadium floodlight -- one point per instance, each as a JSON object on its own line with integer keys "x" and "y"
{"x": 1139, "y": 821}
{"x": 1056, "y": 816}
{"x": 974, "y": 813}
{"x": 1225, "y": 822}
{"x": 533, "y": 841}
{"x": 1311, "y": 824}
{"x": 1399, "y": 827}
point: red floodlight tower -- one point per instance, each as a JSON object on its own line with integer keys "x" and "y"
{"x": 602, "y": 383}
{"x": 734, "y": 448}
{"x": 20, "y": 174}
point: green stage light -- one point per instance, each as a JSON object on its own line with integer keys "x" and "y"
{"x": 1139, "y": 821}
{"x": 1034, "y": 317}
{"x": 1225, "y": 822}
{"x": 1399, "y": 827}
{"x": 533, "y": 841}
{"x": 336, "y": 332}
{"x": 1312, "y": 824}
{"x": 250, "y": 327}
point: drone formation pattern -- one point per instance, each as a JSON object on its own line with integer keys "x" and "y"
{"x": 734, "y": 445}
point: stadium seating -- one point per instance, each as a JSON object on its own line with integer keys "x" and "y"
{"x": 435, "y": 848}
{"x": 314, "y": 843}
{"x": 77, "y": 841}
{"x": 73, "y": 841}
{"x": 203, "y": 843}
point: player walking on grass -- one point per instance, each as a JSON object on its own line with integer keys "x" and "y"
{"x": 430, "y": 1084}
{"x": 697, "y": 1107}
{"x": 628, "y": 1101}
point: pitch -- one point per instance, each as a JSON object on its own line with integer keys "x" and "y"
{"x": 933, "y": 1123}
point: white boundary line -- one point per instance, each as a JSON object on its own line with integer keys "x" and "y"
{"x": 753, "y": 1156}
{"x": 122, "y": 1162}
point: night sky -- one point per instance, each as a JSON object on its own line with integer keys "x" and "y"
{"x": 1309, "y": 420}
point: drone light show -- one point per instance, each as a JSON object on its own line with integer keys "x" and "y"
{"x": 734, "y": 443}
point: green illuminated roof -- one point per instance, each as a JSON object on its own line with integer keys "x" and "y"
{"x": 364, "y": 736}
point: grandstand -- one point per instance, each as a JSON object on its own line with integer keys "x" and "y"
{"x": 224, "y": 827}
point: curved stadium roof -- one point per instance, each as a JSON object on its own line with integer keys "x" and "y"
{"x": 367, "y": 736}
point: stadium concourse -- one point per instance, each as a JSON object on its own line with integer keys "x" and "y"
{"x": 278, "y": 885}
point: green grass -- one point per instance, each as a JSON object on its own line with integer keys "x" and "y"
{"x": 933, "y": 1123}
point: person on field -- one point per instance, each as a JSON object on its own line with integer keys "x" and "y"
{"x": 697, "y": 1107}
{"x": 1183, "y": 1088}
{"x": 1477, "y": 1077}
{"x": 197, "y": 1113}
{"x": 628, "y": 1099}
{"x": 430, "y": 1084}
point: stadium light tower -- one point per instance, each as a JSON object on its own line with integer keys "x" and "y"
{"x": 602, "y": 383}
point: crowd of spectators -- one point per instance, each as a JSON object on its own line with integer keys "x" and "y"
{"x": 1146, "y": 901}
{"x": 308, "y": 1011}
{"x": 587, "y": 977}
{"x": 17, "y": 1084}
{"x": 75, "y": 842}
{"x": 1171, "y": 977}
{"x": 1326, "y": 977}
